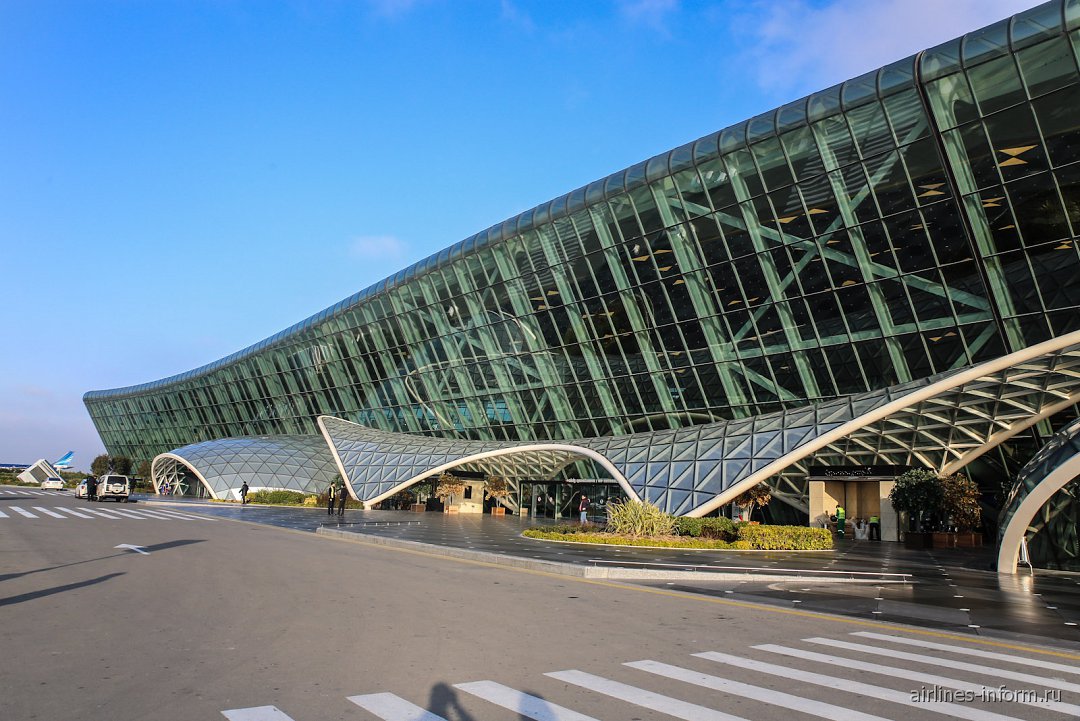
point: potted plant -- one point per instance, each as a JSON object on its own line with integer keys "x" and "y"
{"x": 961, "y": 503}
{"x": 449, "y": 486}
{"x": 496, "y": 488}
{"x": 756, "y": 497}
{"x": 916, "y": 493}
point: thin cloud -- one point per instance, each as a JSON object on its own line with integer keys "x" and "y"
{"x": 798, "y": 46}
{"x": 515, "y": 16}
{"x": 378, "y": 248}
{"x": 652, "y": 13}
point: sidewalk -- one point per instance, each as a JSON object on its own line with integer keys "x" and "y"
{"x": 950, "y": 588}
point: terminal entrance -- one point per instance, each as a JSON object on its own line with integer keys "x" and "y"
{"x": 560, "y": 500}
{"x": 173, "y": 478}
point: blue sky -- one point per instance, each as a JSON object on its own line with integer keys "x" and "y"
{"x": 179, "y": 180}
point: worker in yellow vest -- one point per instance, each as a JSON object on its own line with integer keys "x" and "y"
{"x": 841, "y": 520}
{"x": 875, "y": 528}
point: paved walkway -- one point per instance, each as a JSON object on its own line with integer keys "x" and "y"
{"x": 950, "y": 588}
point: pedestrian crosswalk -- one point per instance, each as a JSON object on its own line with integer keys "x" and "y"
{"x": 42, "y": 513}
{"x": 29, "y": 493}
{"x": 848, "y": 683}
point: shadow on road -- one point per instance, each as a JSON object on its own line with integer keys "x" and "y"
{"x": 155, "y": 547}
{"x": 12, "y": 600}
{"x": 444, "y": 701}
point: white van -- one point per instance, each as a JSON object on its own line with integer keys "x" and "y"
{"x": 117, "y": 488}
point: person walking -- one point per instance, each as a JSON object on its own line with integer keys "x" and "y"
{"x": 91, "y": 488}
{"x": 342, "y": 496}
{"x": 841, "y": 521}
{"x": 875, "y": 528}
{"x": 243, "y": 494}
{"x": 330, "y": 498}
{"x": 583, "y": 508}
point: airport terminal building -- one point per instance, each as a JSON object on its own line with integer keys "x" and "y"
{"x": 884, "y": 273}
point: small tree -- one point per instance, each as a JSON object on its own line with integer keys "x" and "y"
{"x": 758, "y": 496}
{"x": 121, "y": 465}
{"x": 496, "y": 488}
{"x": 100, "y": 466}
{"x": 960, "y": 502}
{"x": 916, "y": 492}
{"x": 449, "y": 486}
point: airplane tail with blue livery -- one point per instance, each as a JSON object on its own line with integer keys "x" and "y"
{"x": 65, "y": 462}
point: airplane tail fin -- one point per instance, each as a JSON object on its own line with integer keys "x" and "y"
{"x": 65, "y": 461}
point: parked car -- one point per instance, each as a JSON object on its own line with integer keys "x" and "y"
{"x": 56, "y": 484}
{"x": 80, "y": 490}
{"x": 117, "y": 488}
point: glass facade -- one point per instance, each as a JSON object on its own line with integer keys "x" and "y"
{"x": 911, "y": 221}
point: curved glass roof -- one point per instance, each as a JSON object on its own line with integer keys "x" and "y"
{"x": 295, "y": 463}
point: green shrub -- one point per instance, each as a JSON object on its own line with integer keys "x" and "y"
{"x": 777, "y": 538}
{"x": 277, "y": 498}
{"x": 635, "y": 518}
{"x": 568, "y": 528}
{"x": 691, "y": 527}
{"x": 592, "y": 535}
{"x": 722, "y": 529}
{"x": 750, "y": 536}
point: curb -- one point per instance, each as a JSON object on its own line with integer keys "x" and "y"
{"x": 580, "y": 571}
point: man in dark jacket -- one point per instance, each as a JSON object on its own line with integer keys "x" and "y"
{"x": 342, "y": 496}
{"x": 91, "y": 488}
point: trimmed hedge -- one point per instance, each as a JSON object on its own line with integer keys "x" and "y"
{"x": 277, "y": 498}
{"x": 778, "y": 538}
{"x": 722, "y": 529}
{"x": 614, "y": 539}
{"x": 750, "y": 537}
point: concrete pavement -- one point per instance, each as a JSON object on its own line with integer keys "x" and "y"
{"x": 950, "y": 588}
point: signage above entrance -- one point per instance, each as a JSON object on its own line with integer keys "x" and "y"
{"x": 856, "y": 473}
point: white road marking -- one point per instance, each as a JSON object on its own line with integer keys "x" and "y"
{"x": 3, "y": 515}
{"x": 257, "y": 713}
{"x": 389, "y": 707}
{"x": 47, "y": 512}
{"x": 1039, "y": 681}
{"x": 864, "y": 689}
{"x": 520, "y": 703}
{"x": 132, "y": 547}
{"x": 104, "y": 514}
{"x": 184, "y": 515}
{"x": 924, "y": 678}
{"x": 640, "y": 697}
{"x": 981, "y": 653}
{"x": 156, "y": 514}
{"x": 758, "y": 693}
{"x": 72, "y": 511}
{"x": 22, "y": 512}
{"x": 127, "y": 513}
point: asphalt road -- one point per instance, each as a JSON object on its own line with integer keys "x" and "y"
{"x": 226, "y": 619}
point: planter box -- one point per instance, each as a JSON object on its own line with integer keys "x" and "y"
{"x": 418, "y": 507}
{"x": 943, "y": 540}
{"x": 498, "y": 511}
{"x": 524, "y": 513}
{"x": 918, "y": 540}
{"x": 969, "y": 540}
{"x": 450, "y": 509}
